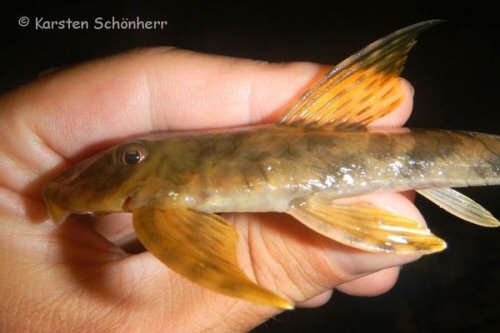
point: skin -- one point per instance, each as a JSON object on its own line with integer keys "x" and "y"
{"x": 74, "y": 278}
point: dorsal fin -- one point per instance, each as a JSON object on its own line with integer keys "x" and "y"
{"x": 362, "y": 88}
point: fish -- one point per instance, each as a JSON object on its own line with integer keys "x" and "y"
{"x": 176, "y": 184}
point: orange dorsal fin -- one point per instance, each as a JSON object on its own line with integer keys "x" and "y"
{"x": 362, "y": 88}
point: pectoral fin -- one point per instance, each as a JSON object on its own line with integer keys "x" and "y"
{"x": 459, "y": 205}
{"x": 201, "y": 247}
{"x": 367, "y": 227}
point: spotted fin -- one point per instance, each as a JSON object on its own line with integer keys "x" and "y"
{"x": 362, "y": 88}
{"x": 367, "y": 227}
{"x": 201, "y": 247}
{"x": 460, "y": 205}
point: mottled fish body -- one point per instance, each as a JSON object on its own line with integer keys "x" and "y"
{"x": 267, "y": 168}
{"x": 319, "y": 151}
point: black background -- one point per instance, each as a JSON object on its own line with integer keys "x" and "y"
{"x": 454, "y": 69}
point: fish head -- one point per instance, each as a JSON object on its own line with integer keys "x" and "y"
{"x": 100, "y": 184}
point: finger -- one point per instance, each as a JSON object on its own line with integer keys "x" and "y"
{"x": 370, "y": 285}
{"x": 402, "y": 112}
{"x": 76, "y": 112}
{"x": 152, "y": 90}
{"x": 316, "y": 301}
{"x": 373, "y": 284}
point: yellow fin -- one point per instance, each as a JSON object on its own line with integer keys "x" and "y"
{"x": 362, "y": 88}
{"x": 460, "y": 205}
{"x": 367, "y": 227}
{"x": 201, "y": 247}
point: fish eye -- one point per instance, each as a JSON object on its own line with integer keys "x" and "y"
{"x": 133, "y": 154}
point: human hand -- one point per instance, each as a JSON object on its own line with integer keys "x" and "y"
{"x": 76, "y": 277}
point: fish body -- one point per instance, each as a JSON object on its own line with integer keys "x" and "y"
{"x": 267, "y": 168}
{"x": 319, "y": 151}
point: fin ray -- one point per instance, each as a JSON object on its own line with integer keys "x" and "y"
{"x": 201, "y": 247}
{"x": 367, "y": 227}
{"x": 460, "y": 205}
{"x": 342, "y": 100}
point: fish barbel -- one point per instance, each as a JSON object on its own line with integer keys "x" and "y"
{"x": 319, "y": 150}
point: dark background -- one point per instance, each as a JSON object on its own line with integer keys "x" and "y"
{"x": 454, "y": 69}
